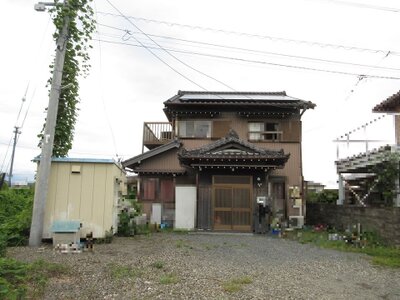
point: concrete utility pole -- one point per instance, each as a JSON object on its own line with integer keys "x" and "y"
{"x": 16, "y": 132}
{"x": 42, "y": 182}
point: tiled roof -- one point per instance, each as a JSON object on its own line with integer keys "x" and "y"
{"x": 391, "y": 104}
{"x": 231, "y": 150}
{"x": 141, "y": 157}
{"x": 280, "y": 99}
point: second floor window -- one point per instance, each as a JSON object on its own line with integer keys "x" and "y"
{"x": 195, "y": 129}
{"x": 260, "y": 131}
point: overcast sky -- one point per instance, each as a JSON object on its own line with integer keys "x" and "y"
{"x": 246, "y": 45}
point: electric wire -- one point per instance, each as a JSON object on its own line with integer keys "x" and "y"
{"x": 251, "y": 35}
{"x": 100, "y": 78}
{"x": 170, "y": 54}
{"x": 258, "y": 61}
{"x": 5, "y": 156}
{"x": 363, "y": 5}
{"x": 15, "y": 126}
{"x": 156, "y": 56}
{"x": 258, "y": 51}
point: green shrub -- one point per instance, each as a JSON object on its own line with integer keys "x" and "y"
{"x": 19, "y": 280}
{"x": 3, "y": 245}
{"x": 15, "y": 215}
{"x": 125, "y": 227}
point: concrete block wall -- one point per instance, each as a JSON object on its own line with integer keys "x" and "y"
{"x": 384, "y": 221}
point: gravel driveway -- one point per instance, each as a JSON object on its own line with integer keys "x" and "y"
{"x": 214, "y": 266}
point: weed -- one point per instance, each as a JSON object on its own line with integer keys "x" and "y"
{"x": 181, "y": 231}
{"x": 381, "y": 255}
{"x": 20, "y": 280}
{"x": 169, "y": 279}
{"x": 231, "y": 287}
{"x": 179, "y": 244}
{"x": 119, "y": 272}
{"x": 158, "y": 264}
{"x": 182, "y": 243}
{"x": 236, "y": 284}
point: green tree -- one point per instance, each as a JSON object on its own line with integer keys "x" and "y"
{"x": 387, "y": 173}
{"x": 80, "y": 29}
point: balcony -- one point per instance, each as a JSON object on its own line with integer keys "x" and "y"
{"x": 156, "y": 134}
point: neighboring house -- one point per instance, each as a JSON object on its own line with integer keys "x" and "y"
{"x": 84, "y": 190}
{"x": 219, "y": 153}
{"x": 314, "y": 187}
{"x": 356, "y": 174}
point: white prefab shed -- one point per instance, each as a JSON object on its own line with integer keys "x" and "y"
{"x": 85, "y": 190}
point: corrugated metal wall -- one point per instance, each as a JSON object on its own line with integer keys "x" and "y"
{"x": 89, "y": 196}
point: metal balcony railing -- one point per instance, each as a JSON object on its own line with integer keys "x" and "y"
{"x": 157, "y": 133}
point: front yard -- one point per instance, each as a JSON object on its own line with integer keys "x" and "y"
{"x": 212, "y": 266}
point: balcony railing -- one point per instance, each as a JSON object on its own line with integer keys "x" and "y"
{"x": 157, "y": 133}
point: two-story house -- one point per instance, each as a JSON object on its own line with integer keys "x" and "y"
{"x": 217, "y": 155}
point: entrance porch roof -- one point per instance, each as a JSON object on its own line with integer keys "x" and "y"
{"x": 234, "y": 153}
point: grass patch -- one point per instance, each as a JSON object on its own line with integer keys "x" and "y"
{"x": 119, "y": 272}
{"x": 169, "y": 279}
{"x": 182, "y": 244}
{"x": 381, "y": 255}
{"x": 181, "y": 231}
{"x": 179, "y": 244}
{"x": 158, "y": 264}
{"x": 19, "y": 280}
{"x": 236, "y": 284}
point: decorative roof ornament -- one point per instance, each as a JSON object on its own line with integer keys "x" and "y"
{"x": 232, "y": 134}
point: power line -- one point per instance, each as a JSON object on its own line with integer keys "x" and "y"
{"x": 258, "y": 61}
{"x": 155, "y": 55}
{"x": 265, "y": 37}
{"x": 100, "y": 77}
{"x": 257, "y": 51}
{"x": 363, "y": 5}
{"x": 5, "y": 156}
{"x": 170, "y": 54}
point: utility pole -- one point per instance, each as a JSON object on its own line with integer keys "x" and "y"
{"x": 16, "y": 132}
{"x": 42, "y": 182}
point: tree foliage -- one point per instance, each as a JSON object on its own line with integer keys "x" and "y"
{"x": 81, "y": 26}
{"x": 387, "y": 173}
{"x": 15, "y": 216}
{"x": 325, "y": 196}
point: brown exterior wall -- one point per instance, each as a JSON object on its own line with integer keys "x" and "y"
{"x": 291, "y": 127}
{"x": 384, "y": 221}
{"x": 164, "y": 161}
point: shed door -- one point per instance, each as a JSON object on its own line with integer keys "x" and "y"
{"x": 232, "y": 202}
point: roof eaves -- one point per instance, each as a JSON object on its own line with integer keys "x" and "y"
{"x": 391, "y": 101}
{"x": 136, "y": 159}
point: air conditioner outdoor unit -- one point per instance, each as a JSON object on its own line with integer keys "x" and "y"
{"x": 296, "y": 221}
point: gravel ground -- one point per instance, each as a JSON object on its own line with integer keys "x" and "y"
{"x": 201, "y": 266}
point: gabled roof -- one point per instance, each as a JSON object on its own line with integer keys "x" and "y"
{"x": 391, "y": 104}
{"x": 131, "y": 162}
{"x": 233, "y": 152}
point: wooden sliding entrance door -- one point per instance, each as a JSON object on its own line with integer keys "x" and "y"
{"x": 232, "y": 202}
